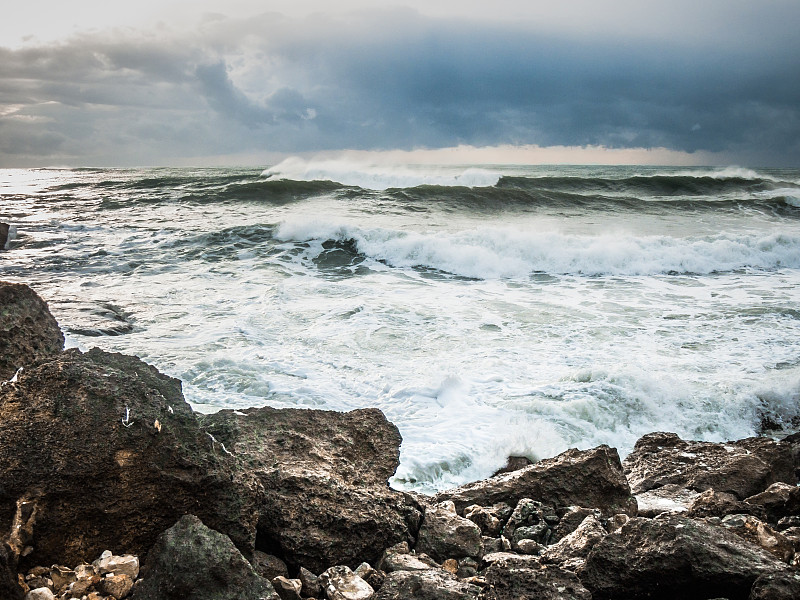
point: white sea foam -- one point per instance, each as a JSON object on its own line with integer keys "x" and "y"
{"x": 507, "y": 253}
{"x": 377, "y": 177}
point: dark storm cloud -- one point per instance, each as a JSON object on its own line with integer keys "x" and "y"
{"x": 394, "y": 80}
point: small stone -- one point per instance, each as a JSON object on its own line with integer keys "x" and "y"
{"x": 41, "y": 593}
{"x": 617, "y": 521}
{"x": 374, "y": 577}
{"x": 467, "y": 567}
{"x": 37, "y": 572}
{"x": 450, "y": 565}
{"x": 119, "y": 565}
{"x": 84, "y": 571}
{"x": 529, "y": 546}
{"x": 287, "y": 589}
{"x": 119, "y": 586}
{"x": 492, "y": 545}
{"x": 39, "y": 582}
{"x": 269, "y": 566}
{"x": 399, "y": 558}
{"x": 62, "y": 577}
{"x": 340, "y": 583}
{"x": 81, "y": 587}
{"x": 311, "y": 586}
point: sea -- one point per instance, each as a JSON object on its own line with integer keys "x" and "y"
{"x": 487, "y": 310}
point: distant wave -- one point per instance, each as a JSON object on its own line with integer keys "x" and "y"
{"x": 509, "y": 253}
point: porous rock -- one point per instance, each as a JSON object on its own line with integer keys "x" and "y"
{"x": 490, "y": 519}
{"x": 444, "y": 534}
{"x": 778, "y": 501}
{"x": 776, "y": 586}
{"x": 720, "y": 504}
{"x": 189, "y": 560}
{"x": 433, "y": 584}
{"x": 311, "y": 587}
{"x": 575, "y": 477}
{"x": 743, "y": 468}
{"x": 84, "y": 468}
{"x": 674, "y": 557}
{"x": 400, "y": 558}
{"x": 759, "y": 533}
{"x": 28, "y": 332}
{"x": 570, "y": 519}
{"x": 119, "y": 586}
{"x": 528, "y": 522}
{"x": 539, "y": 582}
{"x": 577, "y": 544}
{"x": 269, "y": 566}
{"x": 325, "y": 478}
{"x": 341, "y": 583}
{"x": 118, "y": 565}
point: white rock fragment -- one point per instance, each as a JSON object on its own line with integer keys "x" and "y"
{"x": 340, "y": 583}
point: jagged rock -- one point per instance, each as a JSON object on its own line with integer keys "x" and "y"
{"x": 42, "y": 593}
{"x": 672, "y": 499}
{"x": 778, "y": 501}
{"x": 268, "y": 566}
{"x": 514, "y": 463}
{"x": 341, "y": 583}
{"x": 720, "y": 504}
{"x": 467, "y": 568}
{"x": 9, "y": 588}
{"x": 529, "y": 521}
{"x": 325, "y": 476}
{"x": 674, "y": 557}
{"x": 374, "y": 577}
{"x": 491, "y": 545}
{"x": 189, "y": 560}
{"x": 287, "y": 589}
{"x": 759, "y": 533}
{"x": 444, "y": 534}
{"x": 311, "y": 587}
{"x": 490, "y": 519}
{"x": 776, "y": 586}
{"x": 28, "y": 332}
{"x": 118, "y": 565}
{"x": 84, "y": 469}
{"x": 399, "y": 558}
{"x": 62, "y": 577}
{"x": 433, "y": 584}
{"x": 575, "y": 477}
{"x": 571, "y": 517}
{"x": 119, "y": 586}
{"x": 511, "y": 560}
{"x": 539, "y": 582}
{"x": 577, "y": 544}
{"x": 744, "y": 467}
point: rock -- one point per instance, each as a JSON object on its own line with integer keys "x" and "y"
{"x": 541, "y": 583}
{"x": 287, "y": 589}
{"x": 759, "y": 533}
{"x": 84, "y": 469}
{"x": 511, "y": 560}
{"x": 575, "y": 477}
{"x": 374, "y": 577}
{"x": 5, "y": 229}
{"x": 444, "y": 534}
{"x": 189, "y": 560}
{"x": 577, "y": 544}
{"x": 671, "y": 499}
{"x": 743, "y": 468}
{"x": 490, "y": 519}
{"x": 514, "y": 463}
{"x": 62, "y": 577}
{"x": 570, "y": 520}
{"x": 9, "y": 587}
{"x": 674, "y": 557}
{"x": 719, "y": 504}
{"x": 451, "y": 566}
{"x": 492, "y": 545}
{"x": 399, "y": 558}
{"x": 778, "y": 501}
{"x": 41, "y": 593}
{"x": 340, "y": 583}
{"x": 311, "y": 586}
{"x": 119, "y": 586}
{"x": 528, "y": 522}
{"x": 325, "y": 474}
{"x": 776, "y": 586}
{"x": 467, "y": 568}
{"x": 268, "y": 566}
{"x": 28, "y": 332}
{"x": 118, "y": 565}
{"x": 433, "y": 584}
{"x": 39, "y": 582}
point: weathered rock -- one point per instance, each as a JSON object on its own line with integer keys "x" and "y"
{"x": 84, "y": 469}
{"x": 490, "y": 519}
{"x": 118, "y": 565}
{"x": 9, "y": 588}
{"x": 529, "y": 522}
{"x": 492, "y": 545}
{"x": 433, "y": 584}
{"x": 62, "y": 577}
{"x": 720, "y": 504}
{"x": 759, "y": 533}
{"x": 514, "y": 463}
{"x": 119, "y": 586}
{"x": 287, "y": 589}
{"x": 341, "y": 583}
{"x": 671, "y": 498}
{"x": 444, "y": 534}
{"x": 674, "y": 557}
{"x": 575, "y": 477}
{"x": 325, "y": 476}
{"x": 189, "y": 560}
{"x": 778, "y": 501}
{"x": 400, "y": 558}
{"x": 268, "y": 566}
{"x": 42, "y": 593}
{"x": 744, "y": 467}
{"x": 374, "y": 577}
{"x": 28, "y": 332}
{"x": 569, "y": 520}
{"x": 311, "y": 586}
{"x": 776, "y": 586}
{"x": 541, "y": 583}
{"x": 577, "y": 544}
{"x": 467, "y": 568}
{"x": 511, "y": 560}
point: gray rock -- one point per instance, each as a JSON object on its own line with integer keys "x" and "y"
{"x": 674, "y": 557}
{"x": 118, "y": 565}
{"x": 536, "y": 582}
{"x": 528, "y": 522}
{"x": 569, "y": 521}
{"x": 444, "y": 534}
{"x": 584, "y": 478}
{"x": 490, "y": 519}
{"x": 511, "y": 560}
{"x": 374, "y": 577}
{"x": 670, "y": 499}
{"x": 577, "y": 544}
{"x": 41, "y": 593}
{"x": 759, "y": 533}
{"x": 341, "y": 583}
{"x": 776, "y": 586}
{"x": 28, "y": 332}
{"x": 311, "y": 587}
{"x": 269, "y": 566}
{"x": 433, "y": 584}
{"x": 778, "y": 501}
{"x": 5, "y": 230}
{"x": 400, "y": 558}
{"x": 189, "y": 560}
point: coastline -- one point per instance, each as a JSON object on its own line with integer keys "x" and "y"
{"x": 103, "y": 453}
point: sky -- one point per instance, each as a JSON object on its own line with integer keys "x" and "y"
{"x": 98, "y": 83}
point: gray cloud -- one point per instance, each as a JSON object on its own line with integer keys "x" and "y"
{"x": 386, "y": 80}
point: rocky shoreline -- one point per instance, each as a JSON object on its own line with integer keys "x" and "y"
{"x": 102, "y": 459}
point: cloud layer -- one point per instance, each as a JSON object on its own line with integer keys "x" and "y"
{"x": 393, "y": 79}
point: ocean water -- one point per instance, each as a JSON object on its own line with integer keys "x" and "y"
{"x": 488, "y": 311}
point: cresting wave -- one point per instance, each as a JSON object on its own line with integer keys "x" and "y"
{"x": 493, "y": 253}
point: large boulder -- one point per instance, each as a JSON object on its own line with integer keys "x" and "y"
{"x": 28, "y": 332}
{"x": 445, "y": 535}
{"x": 325, "y": 477}
{"x": 743, "y": 468}
{"x": 189, "y": 560}
{"x": 100, "y": 451}
{"x": 674, "y": 557}
{"x": 575, "y": 477}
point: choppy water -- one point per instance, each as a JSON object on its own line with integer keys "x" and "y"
{"x": 487, "y": 311}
